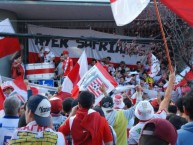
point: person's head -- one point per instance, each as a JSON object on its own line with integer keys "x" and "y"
{"x": 122, "y": 64}
{"x": 176, "y": 121}
{"x": 38, "y": 109}
{"x": 155, "y": 104}
{"x": 67, "y": 105}
{"x": 172, "y": 109}
{"x": 66, "y": 54}
{"x": 56, "y": 105}
{"x": 94, "y": 61}
{"x": 7, "y": 88}
{"x": 86, "y": 99}
{"x": 122, "y": 80}
{"x": 179, "y": 104}
{"x": 188, "y": 105}
{"x": 138, "y": 64}
{"x": 108, "y": 59}
{"x": 12, "y": 106}
{"x": 118, "y": 101}
{"x": 144, "y": 111}
{"x": 158, "y": 132}
{"x": 47, "y": 50}
{"x": 18, "y": 58}
{"x": 127, "y": 102}
{"x": 107, "y": 104}
{"x": 74, "y": 103}
{"x": 62, "y": 57}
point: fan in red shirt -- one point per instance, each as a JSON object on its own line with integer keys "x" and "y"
{"x": 17, "y": 68}
{"x": 67, "y": 63}
{"x": 85, "y": 125}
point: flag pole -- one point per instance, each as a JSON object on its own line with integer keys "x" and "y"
{"x": 163, "y": 36}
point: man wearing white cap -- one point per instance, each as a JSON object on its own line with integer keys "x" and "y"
{"x": 145, "y": 112}
{"x": 48, "y": 56}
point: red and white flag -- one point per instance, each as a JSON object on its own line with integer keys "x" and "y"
{"x": 154, "y": 64}
{"x": 8, "y": 45}
{"x": 93, "y": 80}
{"x": 80, "y": 68}
{"x": 125, "y": 11}
{"x": 185, "y": 75}
{"x": 20, "y": 88}
{"x": 2, "y": 98}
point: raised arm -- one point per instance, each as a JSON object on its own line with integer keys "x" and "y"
{"x": 165, "y": 103}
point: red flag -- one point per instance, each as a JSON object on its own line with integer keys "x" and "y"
{"x": 183, "y": 8}
{"x": 8, "y": 45}
{"x": 2, "y": 98}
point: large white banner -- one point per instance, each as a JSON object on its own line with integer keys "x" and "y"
{"x": 94, "y": 49}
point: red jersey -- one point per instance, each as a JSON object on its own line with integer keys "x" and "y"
{"x": 67, "y": 65}
{"x": 87, "y": 128}
{"x": 17, "y": 70}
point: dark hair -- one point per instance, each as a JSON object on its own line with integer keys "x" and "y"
{"x": 109, "y": 58}
{"x": 127, "y": 102}
{"x": 188, "y": 103}
{"x": 172, "y": 109}
{"x": 99, "y": 110}
{"x": 176, "y": 121}
{"x": 86, "y": 99}
{"x": 67, "y": 105}
{"x": 74, "y": 103}
{"x": 22, "y": 121}
{"x": 17, "y": 55}
{"x": 179, "y": 104}
{"x": 138, "y": 62}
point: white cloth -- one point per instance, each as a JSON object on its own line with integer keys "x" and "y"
{"x": 7, "y": 127}
{"x": 38, "y": 135}
{"x": 49, "y": 57}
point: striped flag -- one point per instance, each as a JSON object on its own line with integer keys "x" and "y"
{"x": 94, "y": 87}
{"x": 94, "y": 79}
{"x": 70, "y": 82}
{"x": 125, "y": 11}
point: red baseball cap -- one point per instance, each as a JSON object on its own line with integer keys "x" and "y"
{"x": 163, "y": 130}
{"x": 56, "y": 105}
{"x": 65, "y": 52}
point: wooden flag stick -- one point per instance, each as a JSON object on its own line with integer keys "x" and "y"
{"x": 163, "y": 36}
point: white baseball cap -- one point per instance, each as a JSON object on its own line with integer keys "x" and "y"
{"x": 144, "y": 111}
{"x": 41, "y": 108}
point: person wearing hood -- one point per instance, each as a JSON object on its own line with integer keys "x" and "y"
{"x": 185, "y": 134}
{"x": 86, "y": 126}
{"x": 118, "y": 119}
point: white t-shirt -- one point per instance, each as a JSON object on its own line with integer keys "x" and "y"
{"x": 48, "y": 57}
{"x": 135, "y": 131}
{"x": 7, "y": 127}
{"x": 57, "y": 121}
{"x": 33, "y": 133}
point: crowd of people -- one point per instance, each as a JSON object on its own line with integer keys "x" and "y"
{"x": 119, "y": 119}
{"x": 131, "y": 116}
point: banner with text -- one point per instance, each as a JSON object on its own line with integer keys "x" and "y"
{"x": 94, "y": 49}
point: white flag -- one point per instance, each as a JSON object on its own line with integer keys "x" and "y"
{"x": 125, "y": 11}
{"x": 155, "y": 66}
